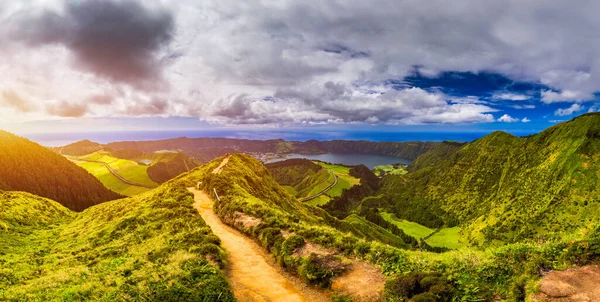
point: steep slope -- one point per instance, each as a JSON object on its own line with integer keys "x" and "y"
{"x": 29, "y": 167}
{"x": 301, "y": 177}
{"x": 502, "y": 188}
{"x": 166, "y": 165}
{"x": 152, "y": 247}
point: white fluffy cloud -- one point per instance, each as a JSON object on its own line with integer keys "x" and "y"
{"x": 286, "y": 61}
{"x": 508, "y": 119}
{"x": 570, "y": 110}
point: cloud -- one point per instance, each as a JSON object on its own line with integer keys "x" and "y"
{"x": 11, "y": 99}
{"x": 523, "y": 106}
{"x": 549, "y": 96}
{"x": 66, "y": 109}
{"x": 117, "y": 40}
{"x": 508, "y": 119}
{"x": 569, "y": 111}
{"x": 297, "y": 62}
{"x": 511, "y": 97}
{"x": 525, "y": 120}
{"x": 340, "y": 103}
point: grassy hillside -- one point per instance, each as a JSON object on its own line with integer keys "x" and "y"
{"x": 302, "y": 176}
{"x": 502, "y": 188}
{"x": 248, "y": 193}
{"x": 27, "y": 166}
{"x": 166, "y": 165}
{"x": 153, "y": 247}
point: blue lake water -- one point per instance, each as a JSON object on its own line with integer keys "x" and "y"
{"x": 369, "y": 160}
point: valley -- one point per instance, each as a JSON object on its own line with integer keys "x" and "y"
{"x": 453, "y": 221}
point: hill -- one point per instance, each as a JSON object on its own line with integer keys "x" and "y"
{"x": 151, "y": 247}
{"x": 29, "y": 167}
{"x": 503, "y": 188}
{"x": 301, "y": 177}
{"x": 251, "y": 201}
{"x": 80, "y": 148}
{"x": 166, "y": 165}
{"x": 206, "y": 149}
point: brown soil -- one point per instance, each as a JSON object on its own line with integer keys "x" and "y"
{"x": 571, "y": 285}
{"x": 363, "y": 281}
{"x": 252, "y": 272}
{"x": 246, "y": 221}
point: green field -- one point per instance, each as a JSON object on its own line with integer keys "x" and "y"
{"x": 395, "y": 169}
{"x": 446, "y": 237}
{"x": 410, "y": 228}
{"x": 319, "y": 201}
{"x": 110, "y": 181}
{"x": 345, "y": 180}
{"x": 128, "y": 169}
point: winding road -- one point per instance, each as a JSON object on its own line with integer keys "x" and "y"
{"x": 335, "y": 181}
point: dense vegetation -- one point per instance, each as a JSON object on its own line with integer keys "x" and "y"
{"x": 509, "y": 272}
{"x": 29, "y": 167}
{"x": 503, "y": 188}
{"x": 153, "y": 247}
{"x": 167, "y": 165}
{"x": 301, "y": 177}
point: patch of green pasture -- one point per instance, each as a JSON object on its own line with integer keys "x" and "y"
{"x": 410, "y": 228}
{"x": 446, "y": 237}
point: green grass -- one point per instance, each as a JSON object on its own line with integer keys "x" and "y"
{"x": 319, "y": 201}
{"x": 128, "y": 169}
{"x": 410, "y": 228}
{"x": 110, "y": 181}
{"x": 290, "y": 190}
{"x": 153, "y": 247}
{"x": 390, "y": 170}
{"x": 345, "y": 180}
{"x": 137, "y": 174}
{"x": 446, "y": 237}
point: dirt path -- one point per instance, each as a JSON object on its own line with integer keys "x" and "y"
{"x": 571, "y": 285}
{"x": 218, "y": 169}
{"x": 253, "y": 275}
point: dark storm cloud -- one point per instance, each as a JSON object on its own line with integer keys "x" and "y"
{"x": 118, "y": 40}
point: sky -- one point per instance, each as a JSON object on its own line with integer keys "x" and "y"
{"x": 469, "y": 65}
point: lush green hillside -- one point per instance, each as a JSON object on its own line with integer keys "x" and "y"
{"x": 27, "y": 166}
{"x": 301, "y": 177}
{"x": 248, "y": 193}
{"x": 166, "y": 165}
{"x": 153, "y": 247}
{"x": 502, "y": 188}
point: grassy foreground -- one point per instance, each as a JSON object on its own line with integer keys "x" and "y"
{"x": 153, "y": 247}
